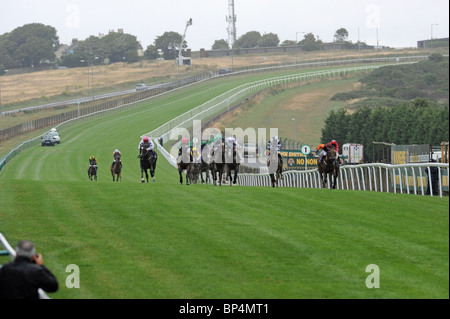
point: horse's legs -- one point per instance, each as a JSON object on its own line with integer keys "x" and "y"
{"x": 335, "y": 176}
{"x": 201, "y": 176}
{"x": 181, "y": 175}
{"x": 235, "y": 176}
{"x": 152, "y": 172}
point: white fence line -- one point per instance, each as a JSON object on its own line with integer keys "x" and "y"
{"x": 402, "y": 178}
{"x": 229, "y": 98}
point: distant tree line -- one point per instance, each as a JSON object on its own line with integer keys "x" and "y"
{"x": 111, "y": 48}
{"x": 419, "y": 114}
{"x": 310, "y": 42}
{"x": 34, "y": 44}
{"x": 28, "y": 46}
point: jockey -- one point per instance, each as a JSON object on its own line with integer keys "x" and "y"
{"x": 326, "y": 147}
{"x": 196, "y": 155}
{"x": 184, "y": 143}
{"x": 232, "y": 141}
{"x": 93, "y": 162}
{"x": 117, "y": 153}
{"x": 147, "y": 143}
{"x": 216, "y": 140}
{"x": 275, "y": 143}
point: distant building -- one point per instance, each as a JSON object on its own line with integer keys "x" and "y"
{"x": 68, "y": 49}
{"x": 140, "y": 49}
{"x": 432, "y": 43}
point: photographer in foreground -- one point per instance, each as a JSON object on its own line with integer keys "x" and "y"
{"x": 21, "y": 278}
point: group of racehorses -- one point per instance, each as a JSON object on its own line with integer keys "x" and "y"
{"x": 220, "y": 161}
{"x": 147, "y": 158}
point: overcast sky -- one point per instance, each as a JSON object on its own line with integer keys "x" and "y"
{"x": 401, "y": 23}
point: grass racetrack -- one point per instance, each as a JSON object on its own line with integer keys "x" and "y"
{"x": 166, "y": 240}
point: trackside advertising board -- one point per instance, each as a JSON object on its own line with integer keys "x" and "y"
{"x": 294, "y": 159}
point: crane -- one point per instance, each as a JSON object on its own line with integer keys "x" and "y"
{"x": 182, "y": 60}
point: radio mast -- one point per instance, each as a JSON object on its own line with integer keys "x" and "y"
{"x": 231, "y": 19}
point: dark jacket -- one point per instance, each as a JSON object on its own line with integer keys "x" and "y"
{"x": 21, "y": 278}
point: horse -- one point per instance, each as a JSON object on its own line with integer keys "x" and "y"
{"x": 232, "y": 163}
{"x": 148, "y": 160}
{"x": 92, "y": 172}
{"x": 329, "y": 166}
{"x": 205, "y": 164}
{"x": 218, "y": 164}
{"x": 275, "y": 173}
{"x": 184, "y": 163}
{"x": 116, "y": 169}
{"x": 194, "y": 171}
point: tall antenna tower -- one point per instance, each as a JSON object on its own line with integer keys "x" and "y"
{"x": 231, "y": 19}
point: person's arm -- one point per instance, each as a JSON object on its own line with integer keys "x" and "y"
{"x": 45, "y": 280}
{"x": 43, "y": 277}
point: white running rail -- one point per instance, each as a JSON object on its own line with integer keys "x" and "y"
{"x": 403, "y": 178}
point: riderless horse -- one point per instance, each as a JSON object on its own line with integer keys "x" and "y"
{"x": 329, "y": 166}
{"x": 116, "y": 169}
{"x": 184, "y": 163}
{"x": 275, "y": 166}
{"x": 148, "y": 160}
{"x": 232, "y": 162}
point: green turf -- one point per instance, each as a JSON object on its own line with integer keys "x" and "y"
{"x": 165, "y": 240}
{"x": 170, "y": 241}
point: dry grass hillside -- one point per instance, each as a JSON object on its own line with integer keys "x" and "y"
{"x": 70, "y": 82}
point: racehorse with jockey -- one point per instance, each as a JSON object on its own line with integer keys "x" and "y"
{"x": 325, "y": 147}
{"x": 148, "y": 158}
{"x": 92, "y": 170}
{"x": 331, "y": 164}
{"x": 116, "y": 166}
{"x": 275, "y": 145}
{"x": 184, "y": 160}
{"x": 274, "y": 160}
